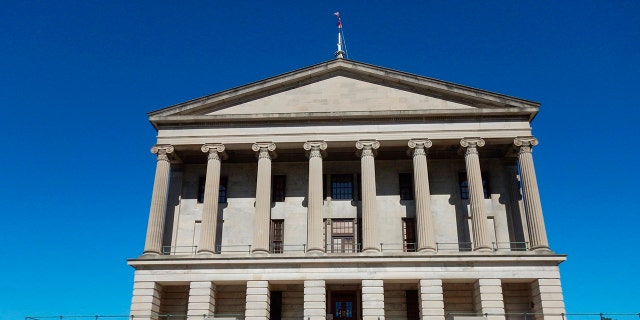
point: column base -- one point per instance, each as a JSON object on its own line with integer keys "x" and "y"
{"x": 371, "y": 250}
{"x": 315, "y": 252}
{"x": 427, "y": 250}
{"x": 260, "y": 252}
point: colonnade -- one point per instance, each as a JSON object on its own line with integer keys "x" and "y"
{"x": 367, "y": 151}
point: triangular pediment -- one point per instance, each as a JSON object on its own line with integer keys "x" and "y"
{"x": 343, "y": 88}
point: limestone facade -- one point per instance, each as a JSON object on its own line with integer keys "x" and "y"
{"x": 346, "y": 191}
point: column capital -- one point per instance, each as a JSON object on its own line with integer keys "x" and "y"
{"x": 315, "y": 149}
{"x": 265, "y": 149}
{"x": 367, "y": 147}
{"x": 162, "y": 151}
{"x": 215, "y": 150}
{"x": 472, "y": 144}
{"x": 525, "y": 143}
{"x": 418, "y": 146}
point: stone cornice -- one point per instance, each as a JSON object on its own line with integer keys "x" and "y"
{"x": 490, "y": 259}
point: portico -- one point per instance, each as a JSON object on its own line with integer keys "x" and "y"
{"x": 346, "y": 191}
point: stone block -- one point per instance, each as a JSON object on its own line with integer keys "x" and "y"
{"x": 314, "y": 283}
{"x": 372, "y": 290}
{"x": 257, "y": 284}
{"x": 549, "y": 282}
{"x": 372, "y": 283}
{"x": 257, "y": 291}
{"x": 432, "y": 304}
{"x": 314, "y": 305}
{"x": 315, "y": 297}
{"x": 314, "y": 290}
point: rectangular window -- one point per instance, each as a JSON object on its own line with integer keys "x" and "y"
{"x": 278, "y": 188}
{"x": 405, "y": 184}
{"x": 277, "y": 236}
{"x": 201, "y": 183}
{"x": 409, "y": 234}
{"x": 342, "y": 236}
{"x": 342, "y": 186}
{"x": 222, "y": 192}
{"x": 464, "y": 186}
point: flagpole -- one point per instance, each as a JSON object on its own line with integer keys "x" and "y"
{"x": 340, "y": 54}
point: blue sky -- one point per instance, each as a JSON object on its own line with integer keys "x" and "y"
{"x": 77, "y": 78}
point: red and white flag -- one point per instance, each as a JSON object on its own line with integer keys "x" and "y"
{"x": 339, "y": 24}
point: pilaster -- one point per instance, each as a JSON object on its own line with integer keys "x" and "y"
{"x": 145, "y": 303}
{"x": 548, "y": 299}
{"x": 368, "y": 173}
{"x": 431, "y": 300}
{"x": 258, "y": 300}
{"x": 315, "y": 300}
{"x": 201, "y": 299}
{"x": 488, "y": 298}
{"x": 372, "y": 300}
{"x": 155, "y": 227}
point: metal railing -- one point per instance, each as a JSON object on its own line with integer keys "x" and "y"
{"x": 177, "y": 250}
{"x": 343, "y": 248}
{"x": 448, "y": 316}
{"x": 454, "y": 246}
{"x": 399, "y": 247}
{"x": 510, "y": 246}
{"x": 239, "y": 248}
{"x": 287, "y": 248}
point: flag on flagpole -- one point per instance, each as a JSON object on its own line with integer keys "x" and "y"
{"x": 339, "y": 24}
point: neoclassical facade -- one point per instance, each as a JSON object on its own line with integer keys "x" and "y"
{"x": 346, "y": 191}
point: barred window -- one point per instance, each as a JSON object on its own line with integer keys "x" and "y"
{"x": 277, "y": 236}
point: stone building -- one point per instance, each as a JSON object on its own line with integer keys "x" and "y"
{"x": 346, "y": 191}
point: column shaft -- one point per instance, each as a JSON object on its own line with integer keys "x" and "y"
{"x": 424, "y": 220}
{"x": 314, "y": 200}
{"x": 532, "y": 204}
{"x": 476, "y": 194}
{"x": 153, "y": 242}
{"x": 263, "y": 198}
{"x": 211, "y": 192}
{"x": 368, "y": 186}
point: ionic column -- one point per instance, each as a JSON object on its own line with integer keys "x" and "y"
{"x": 211, "y": 192}
{"x": 153, "y": 242}
{"x": 314, "y": 204}
{"x": 532, "y": 205}
{"x": 263, "y": 197}
{"x": 476, "y": 194}
{"x": 426, "y": 238}
{"x": 368, "y": 184}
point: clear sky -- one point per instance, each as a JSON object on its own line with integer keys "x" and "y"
{"x": 77, "y": 78}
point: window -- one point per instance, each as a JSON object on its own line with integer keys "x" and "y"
{"x": 409, "y": 234}
{"x": 342, "y": 186}
{"x": 222, "y": 192}
{"x": 277, "y": 236}
{"x": 405, "y": 184}
{"x": 464, "y": 186}
{"x": 342, "y": 236}
{"x": 278, "y": 188}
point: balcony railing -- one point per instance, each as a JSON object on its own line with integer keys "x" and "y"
{"x": 347, "y": 248}
{"x": 448, "y": 316}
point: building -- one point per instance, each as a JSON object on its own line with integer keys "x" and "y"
{"x": 346, "y": 191}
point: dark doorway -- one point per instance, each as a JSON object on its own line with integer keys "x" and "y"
{"x": 344, "y": 304}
